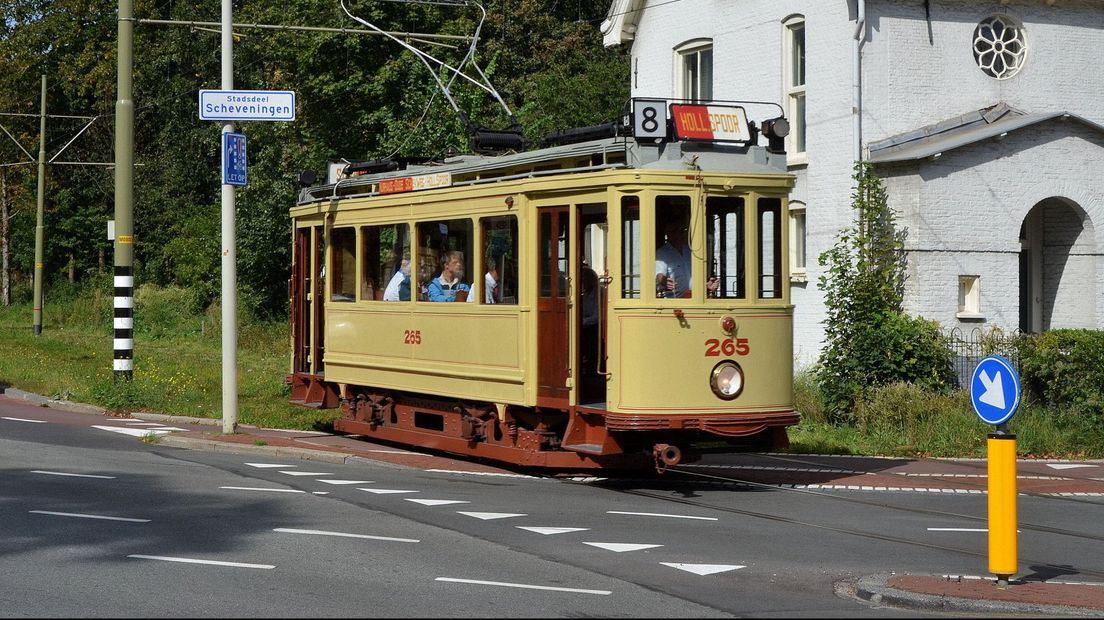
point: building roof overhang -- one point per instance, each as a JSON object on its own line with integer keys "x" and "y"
{"x": 992, "y": 122}
{"x": 621, "y": 20}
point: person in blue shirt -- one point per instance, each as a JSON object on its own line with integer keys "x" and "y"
{"x": 673, "y": 263}
{"x": 445, "y": 286}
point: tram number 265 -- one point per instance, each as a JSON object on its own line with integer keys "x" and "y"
{"x": 727, "y": 347}
{"x": 412, "y": 336}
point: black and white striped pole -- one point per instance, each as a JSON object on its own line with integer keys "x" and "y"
{"x": 123, "y": 344}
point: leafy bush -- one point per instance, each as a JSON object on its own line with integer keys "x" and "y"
{"x": 1064, "y": 368}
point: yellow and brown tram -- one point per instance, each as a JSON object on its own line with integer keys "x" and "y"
{"x": 517, "y": 373}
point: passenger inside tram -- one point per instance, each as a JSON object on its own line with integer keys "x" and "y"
{"x": 449, "y": 286}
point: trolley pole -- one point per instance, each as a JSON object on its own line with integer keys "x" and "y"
{"x": 123, "y": 362}
{"x": 229, "y": 253}
{"x": 39, "y": 228}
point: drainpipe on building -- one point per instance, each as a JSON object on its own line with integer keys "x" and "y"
{"x": 856, "y": 78}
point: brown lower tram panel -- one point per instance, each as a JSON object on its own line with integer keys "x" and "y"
{"x": 578, "y": 438}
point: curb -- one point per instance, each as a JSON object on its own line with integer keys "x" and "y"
{"x": 305, "y": 454}
{"x": 43, "y": 401}
{"x": 873, "y": 589}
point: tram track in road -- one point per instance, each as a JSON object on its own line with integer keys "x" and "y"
{"x": 866, "y": 534}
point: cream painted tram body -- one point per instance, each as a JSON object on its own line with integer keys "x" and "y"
{"x": 517, "y": 373}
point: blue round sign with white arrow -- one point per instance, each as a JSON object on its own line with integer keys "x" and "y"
{"x": 995, "y": 390}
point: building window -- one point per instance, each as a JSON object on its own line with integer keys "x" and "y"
{"x": 798, "y": 271}
{"x": 999, "y": 47}
{"x": 695, "y": 70}
{"x": 794, "y": 82}
{"x": 969, "y": 297}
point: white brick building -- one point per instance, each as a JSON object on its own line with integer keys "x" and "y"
{"x": 985, "y": 118}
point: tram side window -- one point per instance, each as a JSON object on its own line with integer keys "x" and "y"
{"x": 445, "y": 255}
{"x": 500, "y": 266}
{"x": 674, "y": 260}
{"x": 770, "y": 248}
{"x": 726, "y": 242}
{"x": 386, "y": 256}
{"x": 343, "y": 264}
{"x": 630, "y": 247}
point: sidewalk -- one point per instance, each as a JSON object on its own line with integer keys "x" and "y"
{"x": 926, "y": 593}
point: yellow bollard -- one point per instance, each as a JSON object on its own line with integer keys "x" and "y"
{"x": 1002, "y": 506}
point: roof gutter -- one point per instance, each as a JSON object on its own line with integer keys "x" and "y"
{"x": 856, "y": 78}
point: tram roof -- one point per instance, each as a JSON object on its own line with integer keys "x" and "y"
{"x": 603, "y": 154}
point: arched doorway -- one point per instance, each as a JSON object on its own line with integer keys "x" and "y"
{"x": 1057, "y": 267}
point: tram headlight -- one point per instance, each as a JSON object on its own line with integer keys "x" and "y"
{"x": 727, "y": 380}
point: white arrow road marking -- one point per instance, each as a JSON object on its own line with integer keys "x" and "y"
{"x": 82, "y": 516}
{"x": 1068, "y": 465}
{"x": 61, "y": 473}
{"x": 523, "y": 585}
{"x": 332, "y": 481}
{"x": 487, "y": 516}
{"x": 288, "y": 530}
{"x": 194, "y": 561}
{"x": 387, "y": 491}
{"x": 268, "y": 465}
{"x": 436, "y": 502}
{"x": 656, "y": 514}
{"x": 547, "y": 531}
{"x": 620, "y": 547}
{"x": 307, "y": 473}
{"x": 994, "y": 390}
{"x": 24, "y": 420}
{"x": 703, "y": 569}
{"x": 135, "y": 432}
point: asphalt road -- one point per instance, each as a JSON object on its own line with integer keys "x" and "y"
{"x": 98, "y": 523}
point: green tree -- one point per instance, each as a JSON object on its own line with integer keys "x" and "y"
{"x": 869, "y": 341}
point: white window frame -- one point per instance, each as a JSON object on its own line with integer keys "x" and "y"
{"x": 793, "y": 91}
{"x": 692, "y": 50}
{"x": 799, "y": 249}
{"x": 969, "y": 297}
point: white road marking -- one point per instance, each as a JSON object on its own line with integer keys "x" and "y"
{"x": 320, "y": 492}
{"x": 288, "y": 530}
{"x": 620, "y": 547}
{"x": 523, "y": 585}
{"x": 83, "y": 516}
{"x": 704, "y": 569}
{"x": 387, "y": 491}
{"x": 62, "y": 473}
{"x": 332, "y": 481}
{"x": 136, "y": 432}
{"x": 268, "y": 465}
{"x": 307, "y": 473}
{"x": 436, "y": 502}
{"x": 548, "y": 531}
{"x": 1068, "y": 465}
{"x": 195, "y": 561}
{"x": 656, "y": 514}
{"x": 263, "y": 489}
{"x": 488, "y": 516}
{"x": 24, "y": 420}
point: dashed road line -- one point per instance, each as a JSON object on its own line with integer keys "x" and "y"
{"x": 164, "y": 558}
{"x": 63, "y": 473}
{"x": 87, "y": 516}
{"x": 23, "y": 420}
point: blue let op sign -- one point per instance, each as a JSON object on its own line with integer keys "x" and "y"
{"x": 234, "y": 170}
{"x": 995, "y": 390}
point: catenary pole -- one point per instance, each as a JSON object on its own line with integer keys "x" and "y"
{"x": 229, "y": 254}
{"x": 123, "y": 363}
{"x": 40, "y": 232}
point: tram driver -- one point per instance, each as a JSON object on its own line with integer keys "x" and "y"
{"x": 673, "y": 261}
{"x": 449, "y": 286}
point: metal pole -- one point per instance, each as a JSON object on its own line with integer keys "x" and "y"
{"x": 229, "y": 254}
{"x": 39, "y": 229}
{"x": 123, "y": 364}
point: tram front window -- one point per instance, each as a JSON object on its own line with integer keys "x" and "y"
{"x": 630, "y": 247}
{"x": 725, "y": 243}
{"x": 674, "y": 260}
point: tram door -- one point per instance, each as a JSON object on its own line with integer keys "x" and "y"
{"x": 307, "y": 294}
{"x": 591, "y": 296}
{"x": 553, "y": 364}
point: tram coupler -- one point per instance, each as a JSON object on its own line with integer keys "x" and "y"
{"x": 666, "y": 455}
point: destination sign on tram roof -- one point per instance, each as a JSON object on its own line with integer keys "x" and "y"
{"x": 718, "y": 123}
{"x": 413, "y": 184}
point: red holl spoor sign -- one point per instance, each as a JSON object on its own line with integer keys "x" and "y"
{"x": 710, "y": 122}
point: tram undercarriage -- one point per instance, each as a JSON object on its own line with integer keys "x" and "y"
{"x": 575, "y": 438}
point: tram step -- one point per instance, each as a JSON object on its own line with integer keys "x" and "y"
{"x": 587, "y": 448}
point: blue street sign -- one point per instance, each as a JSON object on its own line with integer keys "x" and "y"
{"x": 233, "y": 159}
{"x": 995, "y": 390}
